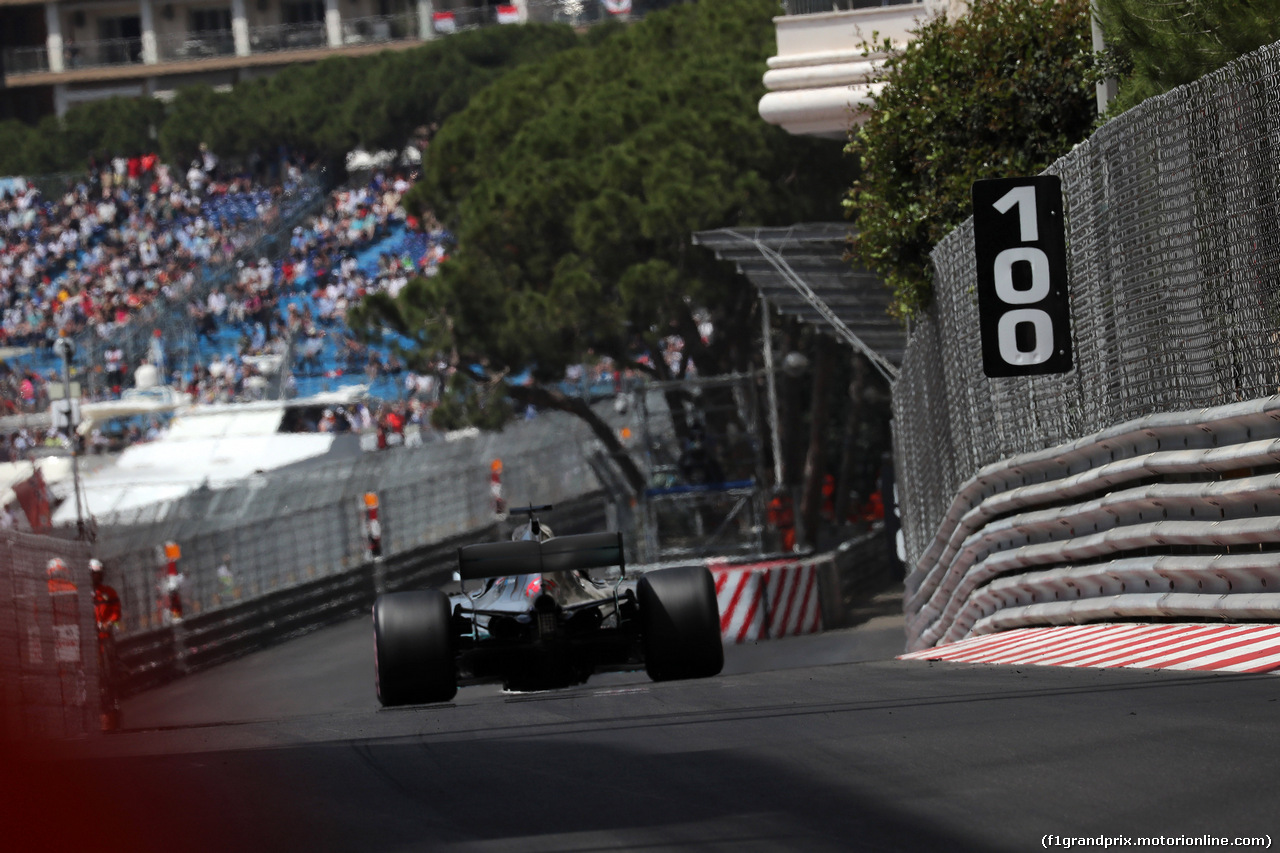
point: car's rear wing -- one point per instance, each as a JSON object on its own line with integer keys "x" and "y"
{"x": 560, "y": 554}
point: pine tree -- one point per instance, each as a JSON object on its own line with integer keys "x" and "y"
{"x": 1159, "y": 44}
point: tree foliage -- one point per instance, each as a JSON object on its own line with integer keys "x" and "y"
{"x": 1002, "y": 91}
{"x": 19, "y": 144}
{"x": 97, "y": 128}
{"x": 574, "y": 187}
{"x": 1157, "y": 45}
{"x": 322, "y": 109}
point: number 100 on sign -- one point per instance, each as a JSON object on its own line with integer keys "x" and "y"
{"x": 1020, "y": 245}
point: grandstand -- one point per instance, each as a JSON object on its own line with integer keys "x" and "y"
{"x": 319, "y": 357}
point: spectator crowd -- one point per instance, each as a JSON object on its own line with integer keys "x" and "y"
{"x": 135, "y": 230}
{"x": 110, "y": 244}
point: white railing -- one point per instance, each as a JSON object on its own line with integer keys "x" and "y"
{"x": 280, "y": 37}
{"x": 377, "y": 29}
{"x": 818, "y": 7}
{"x": 25, "y": 60}
{"x": 203, "y": 45}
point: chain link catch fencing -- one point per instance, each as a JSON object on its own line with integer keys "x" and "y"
{"x": 48, "y": 642}
{"x": 275, "y": 530}
{"x": 1173, "y": 232}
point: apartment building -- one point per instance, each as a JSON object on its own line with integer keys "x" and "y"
{"x": 57, "y": 53}
{"x": 819, "y": 81}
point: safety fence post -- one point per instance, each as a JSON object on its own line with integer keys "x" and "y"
{"x": 495, "y": 489}
{"x": 372, "y": 526}
{"x": 373, "y": 541}
{"x": 173, "y": 582}
{"x": 172, "y": 585}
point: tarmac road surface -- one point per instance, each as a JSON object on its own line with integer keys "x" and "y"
{"x": 815, "y": 743}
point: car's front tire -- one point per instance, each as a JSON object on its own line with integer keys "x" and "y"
{"x": 413, "y": 648}
{"x": 680, "y": 621}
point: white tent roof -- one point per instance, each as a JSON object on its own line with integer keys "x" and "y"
{"x": 207, "y": 446}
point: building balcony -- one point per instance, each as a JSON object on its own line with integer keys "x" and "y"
{"x": 96, "y": 54}
{"x": 174, "y": 53}
{"x": 188, "y": 46}
{"x": 191, "y": 40}
{"x": 820, "y": 80}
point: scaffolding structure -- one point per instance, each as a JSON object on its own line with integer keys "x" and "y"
{"x": 702, "y": 455}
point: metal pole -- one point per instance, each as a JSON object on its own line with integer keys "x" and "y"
{"x": 1106, "y": 88}
{"x": 767, "y": 343}
{"x": 65, "y": 347}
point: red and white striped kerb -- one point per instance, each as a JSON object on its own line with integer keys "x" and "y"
{"x": 1216, "y": 647}
{"x": 762, "y": 601}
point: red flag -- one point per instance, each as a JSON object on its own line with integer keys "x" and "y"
{"x": 33, "y": 497}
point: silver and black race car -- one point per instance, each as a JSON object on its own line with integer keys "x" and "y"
{"x": 539, "y": 620}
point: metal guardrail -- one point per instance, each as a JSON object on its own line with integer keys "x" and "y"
{"x": 153, "y": 657}
{"x": 1159, "y": 507}
{"x": 1246, "y": 577}
{"x": 856, "y": 569}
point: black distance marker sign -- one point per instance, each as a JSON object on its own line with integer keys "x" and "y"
{"x": 1020, "y": 243}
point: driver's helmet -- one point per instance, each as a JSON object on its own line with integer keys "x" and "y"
{"x": 56, "y": 567}
{"x": 522, "y": 533}
{"x": 95, "y": 566}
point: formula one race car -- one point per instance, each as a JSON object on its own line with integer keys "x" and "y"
{"x": 540, "y": 621}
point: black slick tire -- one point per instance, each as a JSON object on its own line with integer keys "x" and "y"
{"x": 413, "y": 648}
{"x": 680, "y": 621}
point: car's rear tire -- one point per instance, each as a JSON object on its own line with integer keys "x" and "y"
{"x": 680, "y": 624}
{"x": 413, "y": 648}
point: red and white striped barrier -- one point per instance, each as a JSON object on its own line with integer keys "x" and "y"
{"x": 762, "y": 601}
{"x": 444, "y": 22}
{"x": 1199, "y": 647}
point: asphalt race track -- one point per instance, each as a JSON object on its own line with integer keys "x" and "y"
{"x": 817, "y": 743}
